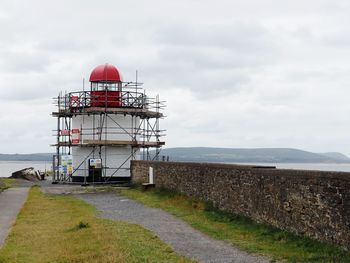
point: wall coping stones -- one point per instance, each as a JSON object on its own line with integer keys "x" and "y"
{"x": 270, "y": 170}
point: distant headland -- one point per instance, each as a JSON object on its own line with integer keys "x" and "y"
{"x": 26, "y": 157}
{"x": 251, "y": 155}
{"x": 211, "y": 154}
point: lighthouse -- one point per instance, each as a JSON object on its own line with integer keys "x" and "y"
{"x": 101, "y": 129}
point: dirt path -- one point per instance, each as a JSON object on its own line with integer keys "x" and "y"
{"x": 11, "y": 202}
{"x": 184, "y": 239}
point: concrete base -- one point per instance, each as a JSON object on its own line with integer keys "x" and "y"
{"x": 80, "y": 179}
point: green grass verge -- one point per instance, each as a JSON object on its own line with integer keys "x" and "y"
{"x": 240, "y": 231}
{"x": 6, "y": 183}
{"x": 65, "y": 229}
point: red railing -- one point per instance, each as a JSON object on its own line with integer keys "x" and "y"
{"x": 84, "y": 99}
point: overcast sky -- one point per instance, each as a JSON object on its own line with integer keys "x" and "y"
{"x": 233, "y": 73}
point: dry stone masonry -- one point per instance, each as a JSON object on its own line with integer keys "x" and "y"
{"x": 312, "y": 203}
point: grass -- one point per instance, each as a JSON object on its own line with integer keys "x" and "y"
{"x": 240, "y": 231}
{"x": 6, "y": 183}
{"x": 65, "y": 229}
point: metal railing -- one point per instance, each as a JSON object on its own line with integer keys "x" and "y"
{"x": 74, "y": 101}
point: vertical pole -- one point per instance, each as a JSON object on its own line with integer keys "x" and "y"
{"x": 157, "y": 125}
{"x": 69, "y": 135}
{"x": 56, "y": 173}
{"x": 105, "y": 124}
{"x": 81, "y": 134}
{"x": 143, "y": 135}
{"x": 132, "y": 137}
{"x": 85, "y": 172}
{"x": 150, "y": 175}
{"x": 106, "y": 137}
{"x": 136, "y": 98}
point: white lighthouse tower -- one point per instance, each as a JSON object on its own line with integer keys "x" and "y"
{"x": 99, "y": 131}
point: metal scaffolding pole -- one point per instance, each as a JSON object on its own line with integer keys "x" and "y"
{"x": 142, "y": 112}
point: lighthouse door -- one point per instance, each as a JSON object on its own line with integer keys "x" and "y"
{"x": 95, "y": 170}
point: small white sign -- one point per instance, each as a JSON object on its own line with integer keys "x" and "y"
{"x": 96, "y": 163}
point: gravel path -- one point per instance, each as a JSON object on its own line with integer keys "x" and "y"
{"x": 184, "y": 239}
{"x": 11, "y": 202}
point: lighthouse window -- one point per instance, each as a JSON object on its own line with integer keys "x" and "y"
{"x": 110, "y": 86}
{"x": 103, "y": 86}
{"x": 94, "y": 86}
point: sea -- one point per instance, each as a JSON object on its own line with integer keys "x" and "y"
{"x": 8, "y": 167}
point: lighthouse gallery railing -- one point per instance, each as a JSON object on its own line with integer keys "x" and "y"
{"x": 75, "y": 101}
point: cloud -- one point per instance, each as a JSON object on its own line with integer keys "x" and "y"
{"x": 18, "y": 62}
{"x": 233, "y": 73}
{"x": 224, "y": 36}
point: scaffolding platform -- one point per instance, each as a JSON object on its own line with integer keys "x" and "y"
{"x": 142, "y": 113}
{"x": 89, "y": 143}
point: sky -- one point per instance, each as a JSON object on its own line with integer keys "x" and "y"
{"x": 240, "y": 74}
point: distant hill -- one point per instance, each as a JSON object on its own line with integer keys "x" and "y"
{"x": 335, "y": 155}
{"x": 26, "y": 157}
{"x": 234, "y": 155}
{"x": 264, "y": 155}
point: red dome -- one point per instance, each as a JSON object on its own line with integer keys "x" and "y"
{"x": 106, "y": 72}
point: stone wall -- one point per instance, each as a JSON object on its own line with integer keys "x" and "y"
{"x": 313, "y": 203}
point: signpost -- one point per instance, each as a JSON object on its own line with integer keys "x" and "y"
{"x": 75, "y": 136}
{"x": 66, "y": 166}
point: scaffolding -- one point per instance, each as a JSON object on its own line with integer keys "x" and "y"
{"x": 107, "y": 111}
